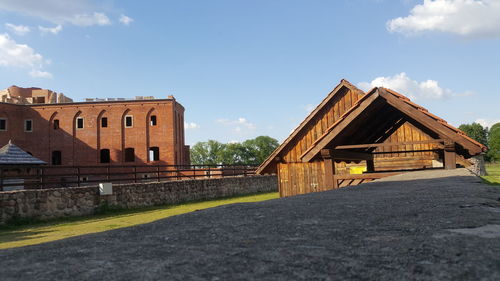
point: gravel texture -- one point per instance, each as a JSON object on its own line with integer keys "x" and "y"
{"x": 430, "y": 225}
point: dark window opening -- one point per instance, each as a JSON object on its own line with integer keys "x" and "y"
{"x": 28, "y": 125}
{"x": 56, "y": 157}
{"x": 105, "y": 158}
{"x": 29, "y": 153}
{"x": 154, "y": 154}
{"x": 104, "y": 122}
{"x": 39, "y": 100}
{"x": 129, "y": 155}
{"x": 3, "y": 124}
{"x": 79, "y": 123}
{"x": 129, "y": 121}
{"x": 153, "y": 120}
{"x": 56, "y": 124}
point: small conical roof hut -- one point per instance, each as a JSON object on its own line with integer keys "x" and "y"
{"x": 11, "y": 154}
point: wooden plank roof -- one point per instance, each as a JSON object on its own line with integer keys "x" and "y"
{"x": 394, "y": 99}
{"x": 343, "y": 84}
{"x": 11, "y": 154}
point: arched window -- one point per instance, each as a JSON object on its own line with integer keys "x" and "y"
{"x": 105, "y": 158}
{"x": 129, "y": 154}
{"x": 153, "y": 120}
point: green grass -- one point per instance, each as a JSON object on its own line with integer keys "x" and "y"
{"x": 493, "y": 177}
{"x": 30, "y": 233}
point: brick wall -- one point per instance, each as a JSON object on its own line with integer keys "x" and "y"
{"x": 65, "y": 202}
{"x": 82, "y": 146}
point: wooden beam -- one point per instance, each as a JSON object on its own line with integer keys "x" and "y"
{"x": 408, "y": 151}
{"x": 330, "y": 181}
{"x": 427, "y": 121}
{"x": 367, "y": 145}
{"x": 346, "y": 155}
{"x": 367, "y": 176}
{"x": 450, "y": 160}
{"x": 330, "y": 135}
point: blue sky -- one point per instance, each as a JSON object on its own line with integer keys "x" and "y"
{"x": 248, "y": 68}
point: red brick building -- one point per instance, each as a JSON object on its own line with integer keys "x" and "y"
{"x": 99, "y": 132}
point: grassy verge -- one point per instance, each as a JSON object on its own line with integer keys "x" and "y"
{"x": 40, "y": 232}
{"x": 493, "y": 177}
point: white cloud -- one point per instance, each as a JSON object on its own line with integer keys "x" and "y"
{"x": 90, "y": 19}
{"x": 40, "y": 74}
{"x": 487, "y": 122}
{"x": 54, "y": 30}
{"x": 472, "y": 18}
{"x": 191, "y": 125}
{"x": 239, "y": 123}
{"x": 240, "y": 126}
{"x": 17, "y": 55}
{"x": 76, "y": 12}
{"x": 17, "y": 29}
{"x": 428, "y": 89}
{"x": 125, "y": 20}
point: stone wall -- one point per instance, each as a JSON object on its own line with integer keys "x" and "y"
{"x": 63, "y": 202}
{"x": 478, "y": 167}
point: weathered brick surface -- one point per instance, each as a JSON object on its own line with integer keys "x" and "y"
{"x": 64, "y": 202}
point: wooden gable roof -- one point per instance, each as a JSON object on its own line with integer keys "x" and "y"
{"x": 366, "y": 115}
{"x": 332, "y": 102}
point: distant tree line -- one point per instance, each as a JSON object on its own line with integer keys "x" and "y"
{"x": 251, "y": 152}
{"x": 487, "y": 136}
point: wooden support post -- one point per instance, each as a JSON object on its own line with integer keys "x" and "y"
{"x": 370, "y": 165}
{"x": 330, "y": 180}
{"x": 450, "y": 161}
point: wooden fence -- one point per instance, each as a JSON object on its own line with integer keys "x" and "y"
{"x": 38, "y": 177}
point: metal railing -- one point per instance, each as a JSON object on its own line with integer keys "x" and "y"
{"x": 39, "y": 177}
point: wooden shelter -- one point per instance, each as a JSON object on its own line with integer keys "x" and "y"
{"x": 380, "y": 132}
{"x": 15, "y": 164}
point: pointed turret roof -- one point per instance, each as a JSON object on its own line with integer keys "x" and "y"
{"x": 11, "y": 154}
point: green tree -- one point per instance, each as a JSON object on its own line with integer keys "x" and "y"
{"x": 494, "y": 143}
{"x": 476, "y": 131}
{"x": 253, "y": 151}
{"x": 207, "y": 153}
{"x": 259, "y": 149}
{"x": 234, "y": 154}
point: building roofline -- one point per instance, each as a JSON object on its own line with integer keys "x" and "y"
{"x": 98, "y": 102}
{"x": 91, "y": 102}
